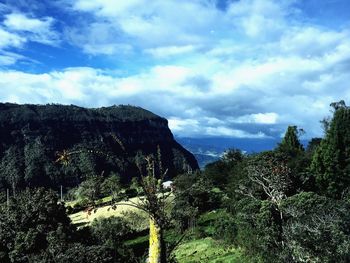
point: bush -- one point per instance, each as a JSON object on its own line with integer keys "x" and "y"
{"x": 224, "y": 228}
{"x": 111, "y": 232}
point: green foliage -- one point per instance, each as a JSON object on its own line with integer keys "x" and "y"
{"x": 12, "y": 166}
{"x": 290, "y": 142}
{"x": 137, "y": 221}
{"x": 90, "y": 190}
{"x": 193, "y": 196}
{"x": 220, "y": 172}
{"x": 292, "y": 151}
{"x": 35, "y": 228}
{"x": 111, "y": 233}
{"x": 258, "y": 229}
{"x": 28, "y": 222}
{"x": 314, "y": 143}
{"x": 217, "y": 172}
{"x": 224, "y": 228}
{"x": 317, "y": 229}
{"x": 331, "y": 161}
{"x": 112, "y": 186}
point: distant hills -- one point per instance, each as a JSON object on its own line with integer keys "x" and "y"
{"x": 104, "y": 141}
{"x": 210, "y": 149}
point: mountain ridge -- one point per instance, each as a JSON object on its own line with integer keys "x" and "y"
{"x": 32, "y": 134}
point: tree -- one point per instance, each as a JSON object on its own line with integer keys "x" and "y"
{"x": 265, "y": 190}
{"x": 27, "y": 222}
{"x": 154, "y": 204}
{"x": 12, "y": 168}
{"x": 316, "y": 229}
{"x": 331, "y": 161}
{"x": 90, "y": 190}
{"x": 36, "y": 228}
{"x": 219, "y": 172}
{"x": 272, "y": 176}
{"x": 290, "y": 143}
{"x": 111, "y": 186}
{"x": 193, "y": 196}
{"x": 297, "y": 159}
{"x": 111, "y": 232}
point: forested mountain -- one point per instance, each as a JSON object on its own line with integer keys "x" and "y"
{"x": 100, "y": 141}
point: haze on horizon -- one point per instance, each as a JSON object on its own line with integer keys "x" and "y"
{"x": 232, "y": 68}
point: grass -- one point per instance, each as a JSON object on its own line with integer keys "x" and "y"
{"x": 201, "y": 250}
{"x": 208, "y": 250}
{"x": 100, "y": 201}
{"x": 191, "y": 250}
{"x": 82, "y": 218}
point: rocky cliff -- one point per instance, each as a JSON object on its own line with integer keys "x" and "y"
{"x": 105, "y": 141}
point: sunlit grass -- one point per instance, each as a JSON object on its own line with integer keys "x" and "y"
{"x": 82, "y": 217}
{"x": 207, "y": 250}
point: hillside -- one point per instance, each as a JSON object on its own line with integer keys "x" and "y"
{"x": 104, "y": 140}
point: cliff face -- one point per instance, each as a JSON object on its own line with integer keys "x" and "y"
{"x": 119, "y": 136}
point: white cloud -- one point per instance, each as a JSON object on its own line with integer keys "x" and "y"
{"x": 9, "y": 39}
{"x": 98, "y": 38}
{"x": 179, "y": 125}
{"x": 37, "y": 30}
{"x": 260, "y": 18}
{"x": 17, "y": 30}
{"x": 20, "y": 22}
{"x": 290, "y": 99}
{"x": 227, "y": 132}
{"x": 9, "y": 58}
{"x": 159, "y": 27}
{"x": 311, "y": 41}
{"x": 163, "y": 52}
{"x": 258, "y": 118}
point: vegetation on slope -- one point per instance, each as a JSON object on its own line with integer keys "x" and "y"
{"x": 286, "y": 205}
{"x": 33, "y": 135}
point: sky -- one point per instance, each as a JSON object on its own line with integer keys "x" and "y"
{"x": 229, "y": 68}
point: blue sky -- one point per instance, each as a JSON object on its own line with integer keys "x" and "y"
{"x": 243, "y": 68}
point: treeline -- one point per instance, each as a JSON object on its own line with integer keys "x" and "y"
{"x": 290, "y": 204}
{"x": 14, "y": 113}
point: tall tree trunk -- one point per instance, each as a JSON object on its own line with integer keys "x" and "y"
{"x": 156, "y": 243}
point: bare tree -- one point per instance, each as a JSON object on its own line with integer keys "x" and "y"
{"x": 273, "y": 177}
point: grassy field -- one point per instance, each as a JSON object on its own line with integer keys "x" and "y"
{"x": 192, "y": 250}
{"x": 202, "y": 250}
{"x": 207, "y": 250}
{"x": 82, "y": 218}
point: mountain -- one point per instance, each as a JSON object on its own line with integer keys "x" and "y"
{"x": 210, "y": 149}
{"x": 101, "y": 141}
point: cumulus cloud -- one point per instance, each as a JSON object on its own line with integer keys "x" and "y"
{"x": 36, "y": 30}
{"x": 160, "y": 27}
{"x": 10, "y": 39}
{"x": 236, "y": 111}
{"x": 10, "y": 58}
{"x": 259, "y": 118}
{"x": 261, "y": 18}
{"x": 18, "y": 29}
{"x": 163, "y": 52}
